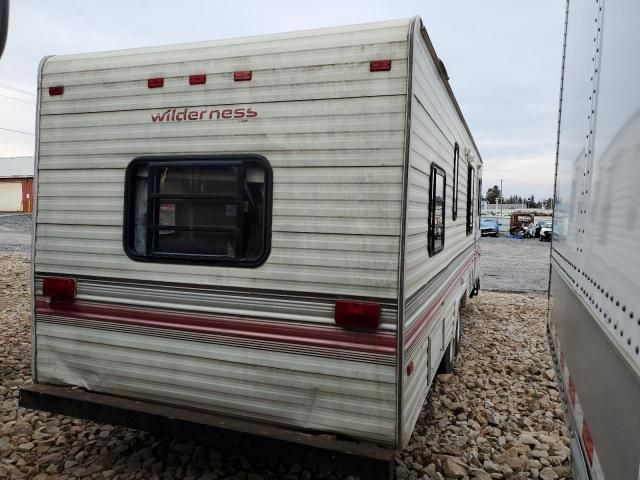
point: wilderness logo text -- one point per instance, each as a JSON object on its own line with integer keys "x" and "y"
{"x": 202, "y": 114}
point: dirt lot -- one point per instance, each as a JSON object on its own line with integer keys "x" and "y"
{"x": 498, "y": 416}
{"x": 15, "y": 232}
{"x": 512, "y": 265}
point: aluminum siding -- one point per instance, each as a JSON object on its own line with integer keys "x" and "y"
{"x": 333, "y": 133}
{"x": 433, "y": 285}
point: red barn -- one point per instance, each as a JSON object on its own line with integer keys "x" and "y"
{"x": 16, "y": 184}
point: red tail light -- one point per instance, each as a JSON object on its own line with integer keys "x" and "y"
{"x": 242, "y": 75}
{"x": 57, "y": 90}
{"x": 357, "y": 314}
{"x": 197, "y": 79}
{"x": 59, "y": 287}
{"x": 155, "y": 82}
{"x": 379, "y": 65}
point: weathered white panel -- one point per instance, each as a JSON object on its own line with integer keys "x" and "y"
{"x": 319, "y": 158}
{"x": 83, "y": 157}
{"x": 293, "y": 125}
{"x": 283, "y": 207}
{"x": 435, "y": 128}
{"x": 354, "y": 398}
{"x": 307, "y": 112}
{"x": 286, "y": 93}
{"x": 353, "y": 66}
{"x": 249, "y": 143}
{"x": 273, "y": 44}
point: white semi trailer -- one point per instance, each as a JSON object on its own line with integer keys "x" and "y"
{"x": 279, "y": 229}
{"x": 594, "y": 321}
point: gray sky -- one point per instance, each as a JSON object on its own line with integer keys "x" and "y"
{"x": 503, "y": 57}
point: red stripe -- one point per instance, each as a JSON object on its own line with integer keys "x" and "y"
{"x": 259, "y": 329}
{"x": 587, "y": 440}
{"x": 413, "y": 332}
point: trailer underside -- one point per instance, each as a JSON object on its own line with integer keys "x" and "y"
{"x": 224, "y": 433}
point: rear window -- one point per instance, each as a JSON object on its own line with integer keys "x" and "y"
{"x": 213, "y": 210}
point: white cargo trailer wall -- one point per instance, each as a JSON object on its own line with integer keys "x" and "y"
{"x": 594, "y": 321}
{"x": 434, "y": 285}
{"x": 333, "y": 133}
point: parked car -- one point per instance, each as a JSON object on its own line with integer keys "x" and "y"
{"x": 546, "y": 231}
{"x": 489, "y": 227}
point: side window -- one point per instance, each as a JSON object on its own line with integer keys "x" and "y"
{"x": 479, "y": 196}
{"x": 470, "y": 202}
{"x": 456, "y": 170}
{"x": 213, "y": 210}
{"x": 437, "y": 186}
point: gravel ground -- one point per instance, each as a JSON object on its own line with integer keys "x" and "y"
{"x": 513, "y": 265}
{"x": 497, "y": 416}
{"x": 15, "y": 232}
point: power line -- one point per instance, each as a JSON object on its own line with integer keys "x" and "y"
{"x": 18, "y": 99}
{"x": 9, "y": 87}
{"x": 17, "y": 131}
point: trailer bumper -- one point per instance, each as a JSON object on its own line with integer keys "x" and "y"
{"x": 224, "y": 433}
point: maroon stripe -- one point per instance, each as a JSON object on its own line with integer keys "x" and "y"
{"x": 318, "y": 336}
{"x": 414, "y": 331}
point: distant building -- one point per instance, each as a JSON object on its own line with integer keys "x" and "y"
{"x": 496, "y": 207}
{"x": 492, "y": 209}
{"x": 16, "y": 184}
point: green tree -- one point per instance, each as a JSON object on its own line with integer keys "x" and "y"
{"x": 493, "y": 194}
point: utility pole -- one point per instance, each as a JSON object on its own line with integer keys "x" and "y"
{"x": 501, "y": 198}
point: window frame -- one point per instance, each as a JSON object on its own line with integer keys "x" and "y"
{"x": 153, "y": 161}
{"x": 479, "y": 197}
{"x": 434, "y": 172}
{"x": 471, "y": 205}
{"x": 456, "y": 183}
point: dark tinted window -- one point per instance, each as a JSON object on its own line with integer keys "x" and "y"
{"x": 212, "y": 210}
{"x": 470, "y": 203}
{"x": 479, "y": 195}
{"x": 456, "y": 171}
{"x": 436, "y": 219}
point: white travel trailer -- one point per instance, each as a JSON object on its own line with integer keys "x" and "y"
{"x": 278, "y": 228}
{"x": 594, "y": 322}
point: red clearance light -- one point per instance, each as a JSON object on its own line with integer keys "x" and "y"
{"x": 357, "y": 314}
{"x": 379, "y": 65}
{"x": 155, "y": 82}
{"x": 242, "y": 75}
{"x": 57, "y": 90}
{"x": 410, "y": 368}
{"x": 197, "y": 79}
{"x": 59, "y": 287}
